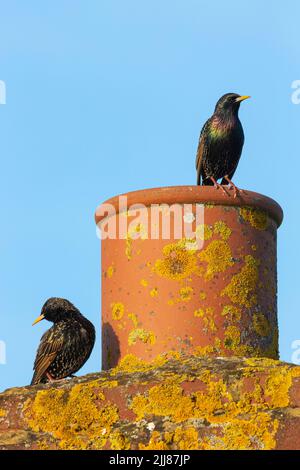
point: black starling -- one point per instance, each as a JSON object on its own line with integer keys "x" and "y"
{"x": 66, "y": 346}
{"x": 220, "y": 143}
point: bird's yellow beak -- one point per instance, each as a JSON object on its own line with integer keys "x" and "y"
{"x": 40, "y": 318}
{"x": 242, "y": 98}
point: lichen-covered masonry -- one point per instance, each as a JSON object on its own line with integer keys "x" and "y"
{"x": 218, "y": 298}
{"x": 175, "y": 402}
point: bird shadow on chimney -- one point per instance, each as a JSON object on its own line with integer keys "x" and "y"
{"x": 110, "y": 347}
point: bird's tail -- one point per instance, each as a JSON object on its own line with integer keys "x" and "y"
{"x": 37, "y": 379}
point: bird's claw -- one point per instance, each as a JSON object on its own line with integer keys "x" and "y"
{"x": 219, "y": 186}
{"x": 236, "y": 191}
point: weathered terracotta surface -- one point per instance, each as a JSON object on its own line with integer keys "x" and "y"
{"x": 175, "y": 402}
{"x": 163, "y": 295}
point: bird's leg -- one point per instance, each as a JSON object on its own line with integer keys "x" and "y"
{"x": 217, "y": 185}
{"x": 52, "y": 379}
{"x": 49, "y": 377}
{"x": 236, "y": 190}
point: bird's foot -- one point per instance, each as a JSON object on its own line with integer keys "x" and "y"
{"x": 236, "y": 190}
{"x": 219, "y": 186}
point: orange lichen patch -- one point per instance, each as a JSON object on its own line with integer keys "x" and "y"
{"x": 255, "y": 217}
{"x": 110, "y": 271}
{"x": 76, "y": 418}
{"x": 203, "y": 232}
{"x": 261, "y": 324}
{"x": 186, "y": 293}
{"x": 178, "y": 261}
{"x": 199, "y": 313}
{"x": 166, "y": 399}
{"x": 118, "y": 441}
{"x": 117, "y": 310}
{"x": 241, "y": 289}
{"x": 231, "y": 312}
{"x": 128, "y": 248}
{"x": 202, "y": 295}
{"x": 272, "y": 350}
{"x": 232, "y": 337}
{"x": 258, "y": 432}
{"x": 139, "y": 334}
{"x": 137, "y": 231}
{"x": 155, "y": 443}
{"x": 222, "y": 229}
{"x": 209, "y": 319}
{"x": 131, "y": 363}
{"x": 144, "y": 282}
{"x": 278, "y": 384}
{"x": 154, "y": 292}
{"x": 133, "y": 317}
{"x": 203, "y": 351}
{"x": 218, "y": 257}
{"x": 183, "y": 438}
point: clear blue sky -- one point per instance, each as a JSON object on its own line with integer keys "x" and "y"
{"x": 108, "y": 96}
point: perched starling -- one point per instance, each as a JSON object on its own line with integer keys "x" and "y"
{"x": 220, "y": 143}
{"x": 66, "y": 346}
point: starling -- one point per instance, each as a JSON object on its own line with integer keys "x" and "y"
{"x": 220, "y": 144}
{"x": 66, "y": 346}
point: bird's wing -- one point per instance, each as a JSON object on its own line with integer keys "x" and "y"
{"x": 51, "y": 344}
{"x": 202, "y": 147}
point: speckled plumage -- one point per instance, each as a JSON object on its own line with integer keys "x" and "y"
{"x": 66, "y": 346}
{"x": 221, "y": 142}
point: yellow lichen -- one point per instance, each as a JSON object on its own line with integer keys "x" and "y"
{"x": 183, "y": 438}
{"x": 217, "y": 256}
{"x": 139, "y": 334}
{"x": 117, "y": 309}
{"x": 186, "y": 293}
{"x": 144, "y": 282}
{"x": 232, "y": 337}
{"x": 118, "y": 441}
{"x": 202, "y": 295}
{"x": 2, "y": 413}
{"x": 166, "y": 399}
{"x": 154, "y": 292}
{"x": 131, "y": 363}
{"x": 178, "y": 261}
{"x": 128, "y": 247}
{"x": 222, "y": 229}
{"x": 255, "y": 217}
{"x": 241, "y": 289}
{"x": 138, "y": 231}
{"x": 256, "y": 433}
{"x": 75, "y": 418}
{"x": 133, "y": 317}
{"x": 203, "y": 232}
{"x": 208, "y": 317}
{"x": 231, "y": 312}
{"x": 202, "y": 351}
{"x": 110, "y": 271}
{"x": 199, "y": 313}
{"x": 155, "y": 443}
{"x": 261, "y": 324}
